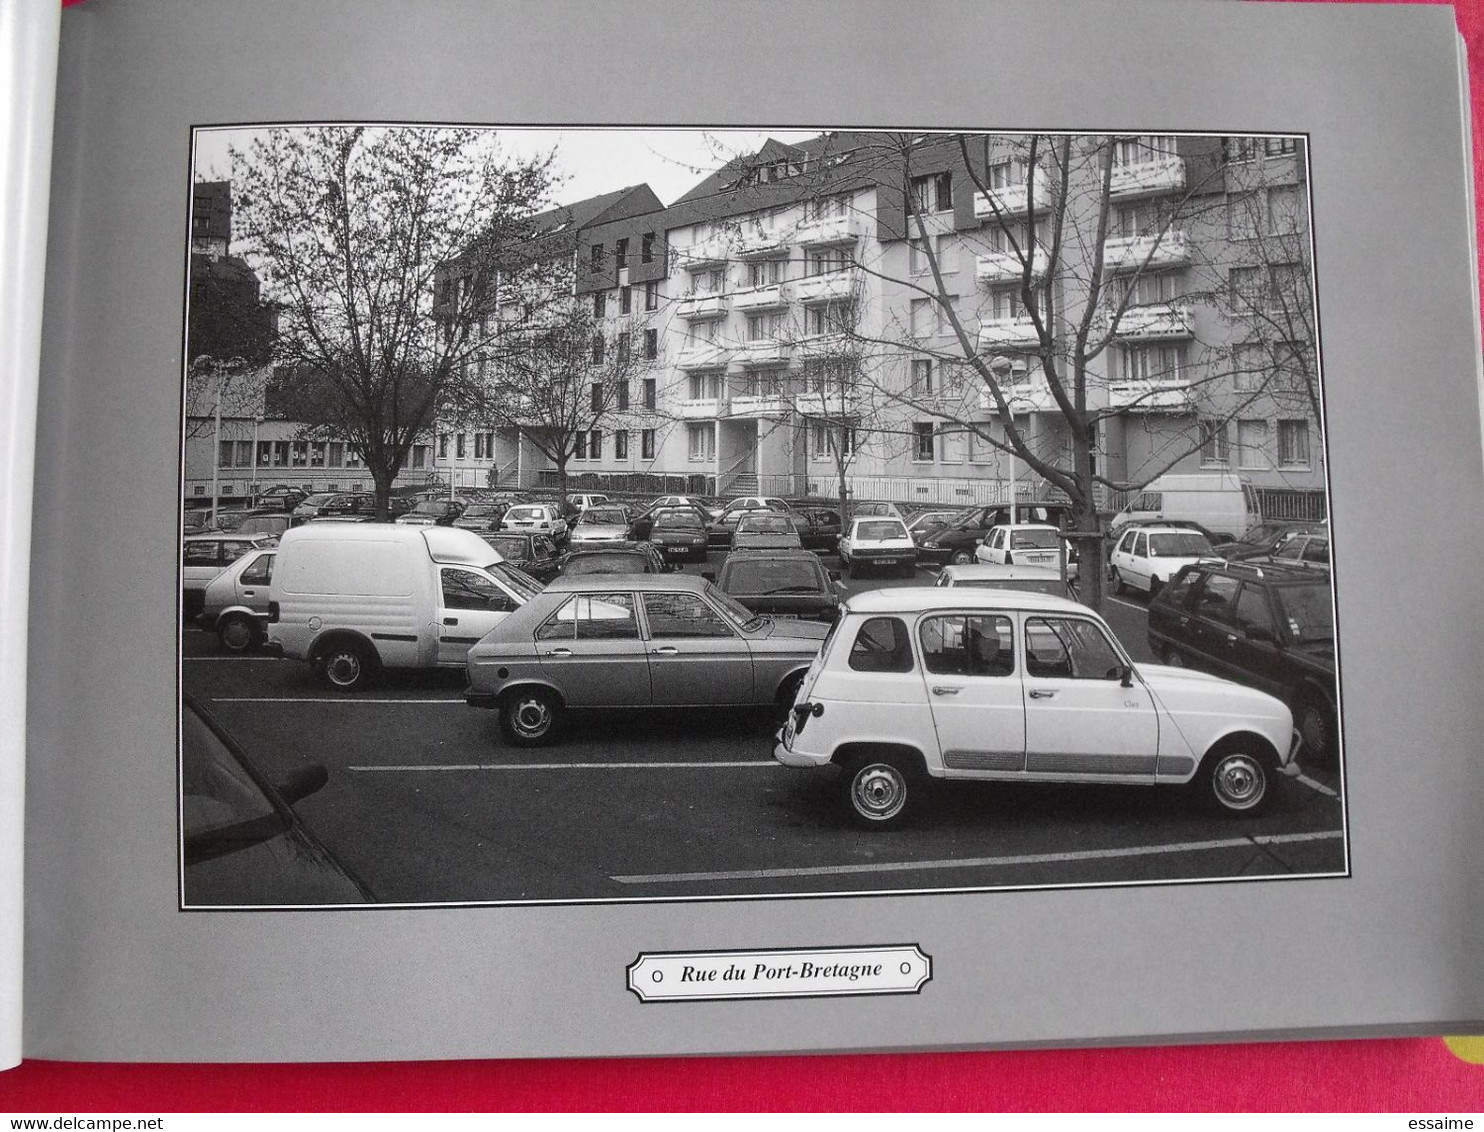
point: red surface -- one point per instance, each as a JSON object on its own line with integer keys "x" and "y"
{"x": 1400, "y": 1075}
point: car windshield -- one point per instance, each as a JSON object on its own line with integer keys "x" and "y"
{"x": 678, "y": 519}
{"x": 771, "y": 576}
{"x": 880, "y": 529}
{"x": 608, "y": 562}
{"x": 1264, "y": 532}
{"x": 1308, "y": 612}
{"x": 318, "y": 500}
{"x": 1187, "y": 544}
{"x": 608, "y": 516}
{"x": 510, "y": 546}
{"x": 526, "y": 513}
{"x": 480, "y": 510}
{"x": 764, "y": 524}
{"x": 1033, "y": 539}
{"x": 1051, "y": 586}
{"x": 735, "y": 611}
{"x": 522, "y": 583}
{"x": 431, "y": 507}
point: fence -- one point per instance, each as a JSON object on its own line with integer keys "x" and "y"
{"x": 1291, "y": 503}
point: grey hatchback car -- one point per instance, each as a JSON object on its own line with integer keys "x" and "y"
{"x": 633, "y": 641}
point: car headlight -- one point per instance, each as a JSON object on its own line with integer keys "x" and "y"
{"x": 932, "y": 544}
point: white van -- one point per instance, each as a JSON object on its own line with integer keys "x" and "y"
{"x": 1224, "y": 503}
{"x": 353, "y": 598}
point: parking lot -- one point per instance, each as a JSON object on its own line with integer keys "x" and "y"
{"x": 426, "y": 804}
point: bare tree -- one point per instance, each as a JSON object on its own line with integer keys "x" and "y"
{"x": 349, "y": 227}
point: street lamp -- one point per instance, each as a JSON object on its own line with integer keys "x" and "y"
{"x": 257, "y": 423}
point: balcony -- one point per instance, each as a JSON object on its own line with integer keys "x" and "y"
{"x": 772, "y": 297}
{"x": 700, "y": 356}
{"x": 712, "y": 252}
{"x": 832, "y": 287}
{"x": 1024, "y": 392}
{"x": 1002, "y": 267}
{"x": 1127, "y": 253}
{"x": 761, "y": 245}
{"x": 1012, "y": 200}
{"x": 698, "y": 307}
{"x": 1152, "y": 396}
{"x": 702, "y": 408}
{"x": 826, "y": 230}
{"x": 1143, "y": 178}
{"x": 763, "y": 352}
{"x": 1157, "y": 321}
{"x": 778, "y": 404}
{"x": 820, "y": 404}
{"x": 997, "y": 334}
{"x": 835, "y": 344}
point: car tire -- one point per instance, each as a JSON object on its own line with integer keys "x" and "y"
{"x": 787, "y": 691}
{"x": 349, "y": 666}
{"x": 1155, "y": 585}
{"x": 529, "y": 717}
{"x": 1237, "y": 780}
{"x": 962, "y": 558}
{"x": 1315, "y": 723}
{"x": 238, "y": 633}
{"x": 880, "y": 790}
{"x": 1172, "y": 658}
{"x": 1119, "y": 585}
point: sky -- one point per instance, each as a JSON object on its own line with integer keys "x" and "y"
{"x": 591, "y": 161}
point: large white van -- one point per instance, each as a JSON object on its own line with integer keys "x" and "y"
{"x": 354, "y": 598}
{"x": 1224, "y": 503}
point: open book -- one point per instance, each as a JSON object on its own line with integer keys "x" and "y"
{"x": 1028, "y": 468}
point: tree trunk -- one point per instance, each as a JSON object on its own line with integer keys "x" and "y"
{"x": 383, "y": 481}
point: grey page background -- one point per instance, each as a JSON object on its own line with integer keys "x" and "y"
{"x": 114, "y": 972}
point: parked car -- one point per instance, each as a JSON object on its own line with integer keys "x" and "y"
{"x": 635, "y": 641}
{"x": 1307, "y": 548}
{"x": 927, "y": 683}
{"x": 1145, "y": 558}
{"x": 766, "y": 530}
{"x": 328, "y": 503}
{"x": 881, "y": 544}
{"x": 919, "y": 523}
{"x": 957, "y": 540}
{"x": 1268, "y": 625}
{"x": 1267, "y": 536}
{"x": 268, "y": 523}
{"x": 788, "y": 584}
{"x": 819, "y": 528}
{"x": 576, "y": 504}
{"x": 353, "y": 599}
{"x": 480, "y": 516}
{"x": 754, "y": 503}
{"x": 235, "y": 602}
{"x": 530, "y": 553}
{"x": 600, "y": 523}
{"x": 441, "y": 512}
{"x": 1222, "y": 502}
{"x": 684, "y": 501}
{"x": 281, "y": 497}
{"x": 679, "y": 534}
{"x": 1026, "y": 544}
{"x": 197, "y": 520}
{"x": 203, "y": 557}
{"x": 640, "y": 524}
{"x": 241, "y": 841}
{"x": 541, "y": 517}
{"x": 1032, "y": 579}
{"x": 873, "y": 509}
{"x": 614, "y": 558}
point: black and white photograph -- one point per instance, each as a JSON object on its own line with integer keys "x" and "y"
{"x": 596, "y": 514}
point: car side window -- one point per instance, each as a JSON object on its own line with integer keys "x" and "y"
{"x": 1127, "y": 545}
{"x": 1070, "y": 647}
{"x": 882, "y": 645}
{"x": 682, "y": 615}
{"x": 1252, "y": 611}
{"x": 968, "y": 645}
{"x": 202, "y": 553}
{"x": 1177, "y": 592}
{"x": 1141, "y": 545}
{"x": 544, "y": 548}
{"x": 464, "y": 589}
{"x": 1219, "y": 598}
{"x": 259, "y": 572}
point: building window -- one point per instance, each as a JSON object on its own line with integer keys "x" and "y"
{"x": 301, "y": 453}
{"x": 922, "y": 438}
{"x": 1277, "y": 147}
{"x": 651, "y": 296}
{"x": 701, "y": 441}
{"x": 623, "y": 347}
{"x": 479, "y": 446}
{"x": 705, "y": 387}
{"x": 924, "y": 319}
{"x": 1154, "y": 363}
{"x": 419, "y": 455}
{"x": 579, "y": 445}
{"x": 649, "y": 393}
{"x": 1141, "y": 150}
{"x": 1213, "y": 443}
{"x": 922, "y": 377}
{"x": 1252, "y": 443}
{"x": 1246, "y": 288}
{"x": 600, "y": 303}
{"x": 621, "y": 254}
{"x": 646, "y": 248}
{"x": 1239, "y": 149}
{"x": 1005, "y": 174}
{"x": 224, "y": 454}
{"x": 1293, "y": 443}
{"x": 595, "y": 444}
{"x": 625, "y": 300}
{"x": 1285, "y": 210}
{"x": 597, "y": 349}
{"x": 353, "y": 460}
{"x": 1155, "y": 288}
{"x": 766, "y": 272}
{"x": 621, "y": 444}
{"x": 596, "y": 396}
{"x": 646, "y": 444}
{"x": 933, "y": 192}
{"x": 337, "y": 453}
{"x": 280, "y": 453}
{"x": 443, "y": 446}
{"x": 597, "y": 257}
{"x": 826, "y": 261}
{"x": 1249, "y": 367}
{"x": 827, "y": 434}
{"x": 651, "y": 345}
{"x": 317, "y": 455}
{"x": 458, "y": 442}
{"x": 623, "y": 395}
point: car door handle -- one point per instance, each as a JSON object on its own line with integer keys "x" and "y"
{"x": 666, "y": 650}
{"x": 558, "y": 652}
{"x": 1231, "y": 638}
{"x": 940, "y": 690}
{"x": 1042, "y": 695}
{"x": 450, "y": 620}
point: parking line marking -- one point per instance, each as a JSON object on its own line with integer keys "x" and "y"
{"x": 321, "y": 700}
{"x": 980, "y": 862}
{"x": 574, "y": 766}
{"x": 1319, "y": 786}
{"x": 249, "y": 659}
{"x": 1126, "y": 604}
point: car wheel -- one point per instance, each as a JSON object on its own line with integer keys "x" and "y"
{"x": 529, "y": 717}
{"x": 962, "y": 558}
{"x": 787, "y": 692}
{"x": 238, "y": 633}
{"x": 1236, "y": 780}
{"x": 844, "y": 566}
{"x": 1315, "y": 725}
{"x": 878, "y": 789}
{"x": 1172, "y": 658}
{"x": 1119, "y": 585}
{"x": 1155, "y": 585}
{"x": 348, "y": 667}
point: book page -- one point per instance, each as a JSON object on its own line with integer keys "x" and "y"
{"x": 28, "y": 45}
{"x": 663, "y": 883}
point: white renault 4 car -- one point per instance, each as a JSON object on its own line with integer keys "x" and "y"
{"x": 953, "y": 683}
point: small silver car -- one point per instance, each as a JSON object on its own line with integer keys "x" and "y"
{"x": 633, "y": 641}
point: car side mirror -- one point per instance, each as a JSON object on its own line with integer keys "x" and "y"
{"x": 834, "y": 575}
{"x": 709, "y": 575}
{"x": 1126, "y": 675}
